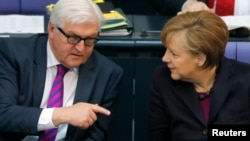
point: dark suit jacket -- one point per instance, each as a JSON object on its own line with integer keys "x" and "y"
{"x": 175, "y": 111}
{"x": 168, "y": 7}
{"x": 22, "y": 79}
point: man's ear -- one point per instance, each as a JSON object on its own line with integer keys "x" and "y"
{"x": 50, "y": 27}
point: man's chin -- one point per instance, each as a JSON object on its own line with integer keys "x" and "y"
{"x": 75, "y": 63}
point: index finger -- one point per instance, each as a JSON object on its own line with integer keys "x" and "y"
{"x": 99, "y": 109}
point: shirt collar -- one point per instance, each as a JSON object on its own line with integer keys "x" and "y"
{"x": 51, "y": 59}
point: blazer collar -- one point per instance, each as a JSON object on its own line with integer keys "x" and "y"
{"x": 39, "y": 67}
{"x": 86, "y": 80}
{"x": 221, "y": 87}
{"x": 218, "y": 96}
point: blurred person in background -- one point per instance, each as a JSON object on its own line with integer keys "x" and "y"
{"x": 220, "y": 7}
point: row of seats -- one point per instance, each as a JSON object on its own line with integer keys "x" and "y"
{"x": 24, "y": 6}
{"x": 238, "y": 51}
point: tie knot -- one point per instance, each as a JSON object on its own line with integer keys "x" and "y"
{"x": 62, "y": 70}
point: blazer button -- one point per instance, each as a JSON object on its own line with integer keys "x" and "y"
{"x": 204, "y": 132}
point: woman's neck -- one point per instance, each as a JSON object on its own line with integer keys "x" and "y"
{"x": 205, "y": 81}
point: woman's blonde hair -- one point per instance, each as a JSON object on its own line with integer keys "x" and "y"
{"x": 205, "y": 33}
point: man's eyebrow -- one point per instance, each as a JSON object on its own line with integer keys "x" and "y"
{"x": 94, "y": 35}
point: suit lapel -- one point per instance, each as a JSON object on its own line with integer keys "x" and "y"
{"x": 85, "y": 82}
{"x": 221, "y": 88}
{"x": 188, "y": 95}
{"x": 218, "y": 96}
{"x": 83, "y": 92}
{"x": 39, "y": 73}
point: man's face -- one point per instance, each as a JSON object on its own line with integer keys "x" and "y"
{"x": 68, "y": 54}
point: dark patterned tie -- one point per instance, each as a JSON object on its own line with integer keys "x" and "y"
{"x": 55, "y": 100}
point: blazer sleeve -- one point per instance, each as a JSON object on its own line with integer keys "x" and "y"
{"x": 11, "y": 107}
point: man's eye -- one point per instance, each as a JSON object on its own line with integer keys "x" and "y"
{"x": 74, "y": 38}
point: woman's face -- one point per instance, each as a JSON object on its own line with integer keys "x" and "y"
{"x": 182, "y": 64}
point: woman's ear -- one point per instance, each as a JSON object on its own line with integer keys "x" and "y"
{"x": 201, "y": 59}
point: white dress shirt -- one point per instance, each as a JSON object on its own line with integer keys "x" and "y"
{"x": 70, "y": 82}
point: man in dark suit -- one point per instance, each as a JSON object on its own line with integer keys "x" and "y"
{"x": 28, "y": 67}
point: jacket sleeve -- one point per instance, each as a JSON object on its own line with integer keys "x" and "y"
{"x": 14, "y": 116}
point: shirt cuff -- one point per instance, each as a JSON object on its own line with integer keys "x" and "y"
{"x": 45, "y": 119}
